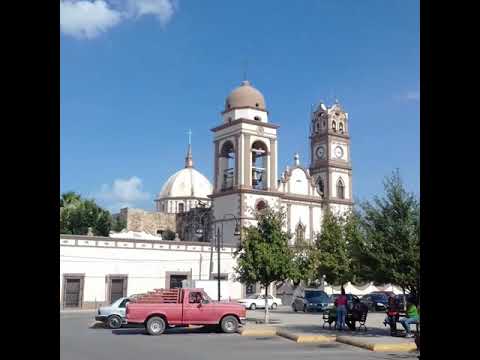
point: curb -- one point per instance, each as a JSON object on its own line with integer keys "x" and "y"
{"x": 264, "y": 331}
{"x": 403, "y": 347}
{"x": 305, "y": 338}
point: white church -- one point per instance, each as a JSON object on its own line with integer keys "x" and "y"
{"x": 96, "y": 270}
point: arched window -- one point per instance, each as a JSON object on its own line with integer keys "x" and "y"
{"x": 317, "y": 126}
{"x": 340, "y": 189}
{"x": 320, "y": 186}
{"x": 340, "y": 127}
{"x": 257, "y": 118}
{"x": 334, "y": 126}
{"x": 180, "y": 207}
{"x": 259, "y": 165}
{"x": 227, "y": 165}
{"x": 300, "y": 233}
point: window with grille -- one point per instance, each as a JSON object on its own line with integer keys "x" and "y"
{"x": 340, "y": 189}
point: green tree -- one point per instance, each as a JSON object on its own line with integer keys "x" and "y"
{"x": 77, "y": 215}
{"x": 264, "y": 255}
{"x": 168, "y": 235}
{"x": 390, "y": 250}
{"x": 305, "y": 264}
{"x": 118, "y": 224}
{"x": 70, "y": 198}
{"x": 333, "y": 249}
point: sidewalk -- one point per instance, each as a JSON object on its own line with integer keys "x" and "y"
{"x": 76, "y": 311}
{"x": 307, "y": 328}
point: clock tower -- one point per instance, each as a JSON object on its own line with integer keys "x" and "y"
{"x": 330, "y": 163}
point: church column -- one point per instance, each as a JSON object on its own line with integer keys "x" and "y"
{"x": 350, "y": 192}
{"x": 273, "y": 165}
{"x": 215, "y": 161}
{"x": 237, "y": 166}
{"x": 310, "y": 209}
{"x": 289, "y": 212}
{"x": 240, "y": 159}
{"x": 247, "y": 169}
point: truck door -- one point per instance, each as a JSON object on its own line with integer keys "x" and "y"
{"x": 196, "y": 310}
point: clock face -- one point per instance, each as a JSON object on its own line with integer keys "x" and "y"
{"x": 339, "y": 152}
{"x": 320, "y": 152}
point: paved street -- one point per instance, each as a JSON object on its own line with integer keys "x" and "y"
{"x": 285, "y": 315}
{"x": 79, "y": 342}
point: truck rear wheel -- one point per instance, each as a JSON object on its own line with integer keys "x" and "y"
{"x": 156, "y": 325}
{"x": 229, "y": 324}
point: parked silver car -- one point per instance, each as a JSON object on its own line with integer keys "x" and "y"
{"x": 114, "y": 315}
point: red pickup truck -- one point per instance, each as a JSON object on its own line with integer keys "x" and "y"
{"x": 181, "y": 307}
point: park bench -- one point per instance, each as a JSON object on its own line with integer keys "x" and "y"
{"x": 328, "y": 318}
{"x": 395, "y": 331}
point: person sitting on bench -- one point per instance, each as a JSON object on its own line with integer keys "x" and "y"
{"x": 392, "y": 315}
{"x": 412, "y": 317}
{"x": 356, "y": 315}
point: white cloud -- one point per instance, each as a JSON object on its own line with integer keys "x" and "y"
{"x": 123, "y": 193}
{"x": 162, "y": 9}
{"x": 413, "y": 95}
{"x": 86, "y": 19}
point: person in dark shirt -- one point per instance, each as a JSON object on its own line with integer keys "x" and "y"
{"x": 356, "y": 314}
{"x": 392, "y": 315}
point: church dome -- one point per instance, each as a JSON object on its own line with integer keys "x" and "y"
{"x": 186, "y": 183}
{"x": 245, "y": 96}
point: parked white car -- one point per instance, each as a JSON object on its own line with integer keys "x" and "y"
{"x": 255, "y": 301}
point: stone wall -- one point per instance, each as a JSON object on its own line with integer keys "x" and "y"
{"x": 150, "y": 222}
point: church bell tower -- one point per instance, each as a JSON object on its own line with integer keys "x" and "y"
{"x": 330, "y": 163}
{"x": 245, "y": 158}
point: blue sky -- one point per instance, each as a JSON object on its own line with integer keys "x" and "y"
{"x": 135, "y": 75}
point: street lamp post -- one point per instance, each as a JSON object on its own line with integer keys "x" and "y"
{"x": 218, "y": 244}
{"x": 202, "y": 229}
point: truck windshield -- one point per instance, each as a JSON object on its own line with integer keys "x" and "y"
{"x": 206, "y": 297}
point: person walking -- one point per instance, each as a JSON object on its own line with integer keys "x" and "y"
{"x": 341, "y": 306}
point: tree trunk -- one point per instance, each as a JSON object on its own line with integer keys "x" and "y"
{"x": 404, "y": 300}
{"x": 266, "y": 320}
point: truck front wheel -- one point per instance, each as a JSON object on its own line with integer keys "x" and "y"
{"x": 229, "y": 324}
{"x": 156, "y": 325}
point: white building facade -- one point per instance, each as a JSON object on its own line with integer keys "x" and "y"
{"x": 94, "y": 270}
{"x": 245, "y": 164}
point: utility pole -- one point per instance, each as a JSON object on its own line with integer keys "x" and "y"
{"x": 200, "y": 268}
{"x": 218, "y": 261}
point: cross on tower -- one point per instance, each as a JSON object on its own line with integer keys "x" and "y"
{"x": 189, "y": 132}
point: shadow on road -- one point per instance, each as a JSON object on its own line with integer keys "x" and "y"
{"x": 170, "y": 331}
{"x": 141, "y": 331}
